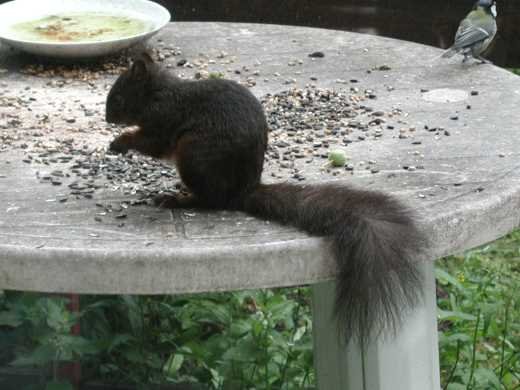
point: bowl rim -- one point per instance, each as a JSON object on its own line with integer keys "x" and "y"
{"x": 163, "y": 21}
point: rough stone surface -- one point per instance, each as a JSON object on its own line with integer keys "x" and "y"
{"x": 460, "y": 175}
{"x": 446, "y": 95}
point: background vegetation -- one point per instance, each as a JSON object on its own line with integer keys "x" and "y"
{"x": 259, "y": 339}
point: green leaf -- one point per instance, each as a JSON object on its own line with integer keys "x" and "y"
{"x": 244, "y": 351}
{"x": 59, "y": 318}
{"x": 453, "y": 338}
{"x": 213, "y": 312}
{"x": 27, "y": 299}
{"x": 257, "y": 328}
{"x": 300, "y": 332}
{"x": 76, "y": 344}
{"x": 445, "y": 277}
{"x": 240, "y": 328}
{"x": 117, "y": 340}
{"x": 282, "y": 311}
{"x": 216, "y": 379}
{"x": 173, "y": 364}
{"x": 486, "y": 378}
{"x": 10, "y": 318}
{"x": 454, "y": 315}
{"x": 279, "y": 342}
{"x": 135, "y": 356}
{"x": 59, "y": 386}
{"x": 135, "y": 316}
{"x": 41, "y": 355}
{"x": 456, "y": 386}
{"x": 241, "y": 296}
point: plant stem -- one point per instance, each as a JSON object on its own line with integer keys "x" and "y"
{"x": 474, "y": 353}
{"x": 304, "y": 379}
{"x": 296, "y": 315}
{"x": 253, "y": 372}
{"x": 142, "y": 336}
{"x": 503, "y": 346}
{"x": 454, "y": 366}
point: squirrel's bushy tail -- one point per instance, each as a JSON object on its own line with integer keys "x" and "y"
{"x": 375, "y": 242}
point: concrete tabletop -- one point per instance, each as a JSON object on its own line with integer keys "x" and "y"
{"x": 452, "y": 154}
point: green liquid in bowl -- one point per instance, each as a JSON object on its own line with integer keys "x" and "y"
{"x": 80, "y": 27}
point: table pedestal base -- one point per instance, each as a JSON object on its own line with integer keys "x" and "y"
{"x": 410, "y": 361}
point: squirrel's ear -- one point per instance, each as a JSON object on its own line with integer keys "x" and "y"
{"x": 141, "y": 66}
{"x": 139, "y": 70}
{"x": 145, "y": 56}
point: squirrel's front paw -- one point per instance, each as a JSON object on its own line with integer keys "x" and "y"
{"x": 119, "y": 145}
{"x": 167, "y": 201}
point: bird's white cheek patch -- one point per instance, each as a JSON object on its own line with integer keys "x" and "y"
{"x": 494, "y": 10}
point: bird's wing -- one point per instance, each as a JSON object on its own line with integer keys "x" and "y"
{"x": 468, "y": 34}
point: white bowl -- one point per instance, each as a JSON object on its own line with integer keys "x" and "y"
{"x": 19, "y": 11}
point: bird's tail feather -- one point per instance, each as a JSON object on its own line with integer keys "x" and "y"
{"x": 450, "y": 52}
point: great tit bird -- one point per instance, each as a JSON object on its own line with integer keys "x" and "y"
{"x": 475, "y": 32}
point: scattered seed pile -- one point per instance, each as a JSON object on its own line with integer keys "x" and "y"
{"x": 89, "y": 70}
{"x": 86, "y": 171}
{"x": 85, "y": 71}
{"x": 305, "y": 126}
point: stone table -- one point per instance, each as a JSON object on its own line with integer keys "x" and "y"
{"x": 451, "y": 154}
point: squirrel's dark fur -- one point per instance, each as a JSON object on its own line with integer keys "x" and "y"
{"x": 216, "y": 133}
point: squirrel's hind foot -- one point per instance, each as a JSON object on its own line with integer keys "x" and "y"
{"x": 175, "y": 201}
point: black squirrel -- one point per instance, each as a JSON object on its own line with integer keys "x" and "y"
{"x": 215, "y": 131}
